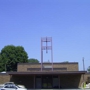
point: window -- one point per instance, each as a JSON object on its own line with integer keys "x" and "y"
{"x": 10, "y": 86}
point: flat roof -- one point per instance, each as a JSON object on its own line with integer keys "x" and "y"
{"x": 48, "y": 63}
{"x": 47, "y": 73}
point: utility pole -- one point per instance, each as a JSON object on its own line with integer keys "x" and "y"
{"x": 83, "y": 70}
{"x": 83, "y": 64}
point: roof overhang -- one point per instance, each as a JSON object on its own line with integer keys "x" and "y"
{"x": 48, "y": 73}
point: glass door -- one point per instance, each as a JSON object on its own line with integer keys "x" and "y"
{"x": 56, "y": 82}
{"x": 38, "y": 84}
{"x": 46, "y": 82}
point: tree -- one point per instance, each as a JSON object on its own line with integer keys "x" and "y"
{"x": 32, "y": 60}
{"x": 10, "y": 56}
{"x": 66, "y": 62}
{"x": 88, "y": 69}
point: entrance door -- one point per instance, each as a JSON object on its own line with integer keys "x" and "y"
{"x": 46, "y": 82}
{"x": 38, "y": 82}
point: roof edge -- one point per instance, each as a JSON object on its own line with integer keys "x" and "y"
{"x": 43, "y": 72}
{"x": 49, "y": 63}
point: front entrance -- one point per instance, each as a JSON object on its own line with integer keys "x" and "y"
{"x": 47, "y": 82}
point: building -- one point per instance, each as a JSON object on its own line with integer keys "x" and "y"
{"x": 64, "y": 75}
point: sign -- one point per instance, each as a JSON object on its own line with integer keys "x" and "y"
{"x": 47, "y": 66}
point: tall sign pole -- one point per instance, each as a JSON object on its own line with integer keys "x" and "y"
{"x": 46, "y": 40}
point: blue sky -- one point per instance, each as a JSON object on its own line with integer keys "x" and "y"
{"x": 24, "y": 22}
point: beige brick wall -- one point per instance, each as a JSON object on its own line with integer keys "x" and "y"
{"x": 69, "y": 66}
{"x": 4, "y": 78}
{"x": 22, "y": 68}
{"x": 84, "y": 78}
{"x": 87, "y": 77}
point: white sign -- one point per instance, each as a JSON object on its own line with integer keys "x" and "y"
{"x": 47, "y": 66}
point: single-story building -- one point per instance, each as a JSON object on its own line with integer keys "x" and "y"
{"x": 64, "y": 75}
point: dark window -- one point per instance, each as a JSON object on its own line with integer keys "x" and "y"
{"x": 38, "y": 69}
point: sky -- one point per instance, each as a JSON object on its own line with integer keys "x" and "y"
{"x": 24, "y": 22}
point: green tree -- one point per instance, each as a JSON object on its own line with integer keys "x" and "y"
{"x": 10, "y": 56}
{"x": 32, "y": 60}
{"x": 88, "y": 69}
